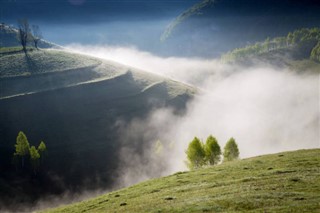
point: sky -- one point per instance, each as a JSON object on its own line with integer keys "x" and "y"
{"x": 225, "y": 25}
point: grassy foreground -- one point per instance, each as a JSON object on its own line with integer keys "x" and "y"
{"x": 284, "y": 182}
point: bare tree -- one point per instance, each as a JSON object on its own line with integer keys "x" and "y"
{"x": 37, "y": 35}
{"x": 24, "y": 33}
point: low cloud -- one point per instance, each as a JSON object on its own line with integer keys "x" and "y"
{"x": 266, "y": 109}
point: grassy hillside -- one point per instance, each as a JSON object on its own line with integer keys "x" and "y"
{"x": 73, "y": 103}
{"x": 43, "y": 61}
{"x": 283, "y": 182}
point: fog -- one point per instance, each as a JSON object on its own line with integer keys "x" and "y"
{"x": 265, "y": 108}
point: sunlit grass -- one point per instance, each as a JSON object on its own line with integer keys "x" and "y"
{"x": 42, "y": 61}
{"x": 285, "y": 182}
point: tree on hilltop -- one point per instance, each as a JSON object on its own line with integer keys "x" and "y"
{"x": 212, "y": 150}
{"x": 195, "y": 154}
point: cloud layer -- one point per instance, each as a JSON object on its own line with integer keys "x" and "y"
{"x": 266, "y": 109}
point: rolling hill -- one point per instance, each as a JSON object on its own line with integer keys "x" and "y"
{"x": 283, "y": 182}
{"x": 72, "y": 102}
{"x": 79, "y": 105}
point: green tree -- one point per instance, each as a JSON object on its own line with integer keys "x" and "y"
{"x": 34, "y": 158}
{"x": 315, "y": 53}
{"x": 21, "y": 147}
{"x": 212, "y": 150}
{"x": 231, "y": 151}
{"x": 42, "y": 149}
{"x": 195, "y": 154}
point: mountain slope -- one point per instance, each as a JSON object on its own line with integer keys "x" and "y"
{"x": 283, "y": 182}
{"x": 74, "y": 103}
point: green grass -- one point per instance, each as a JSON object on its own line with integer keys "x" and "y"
{"x": 8, "y": 50}
{"x": 42, "y": 61}
{"x": 284, "y": 182}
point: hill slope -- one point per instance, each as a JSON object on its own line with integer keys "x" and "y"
{"x": 284, "y": 182}
{"x": 74, "y": 103}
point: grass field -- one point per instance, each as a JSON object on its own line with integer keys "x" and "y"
{"x": 283, "y": 182}
{"x": 42, "y": 61}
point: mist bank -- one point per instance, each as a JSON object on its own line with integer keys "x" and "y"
{"x": 265, "y": 108}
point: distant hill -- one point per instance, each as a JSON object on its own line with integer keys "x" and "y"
{"x": 300, "y": 48}
{"x": 283, "y": 182}
{"x": 8, "y": 38}
{"x": 72, "y": 102}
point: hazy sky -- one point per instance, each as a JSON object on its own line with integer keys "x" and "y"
{"x": 226, "y": 24}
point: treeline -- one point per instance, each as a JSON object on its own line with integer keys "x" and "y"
{"x": 200, "y": 154}
{"x": 297, "y": 38}
{"x": 315, "y": 53}
{"x": 24, "y": 151}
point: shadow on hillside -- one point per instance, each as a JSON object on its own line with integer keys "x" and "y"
{"x": 32, "y": 66}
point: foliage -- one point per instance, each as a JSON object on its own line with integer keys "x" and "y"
{"x": 283, "y": 182}
{"x": 34, "y": 158}
{"x": 195, "y": 154}
{"x": 184, "y": 15}
{"x": 231, "y": 151}
{"x": 212, "y": 150}
{"x": 297, "y": 38}
{"x": 315, "y": 53}
{"x": 42, "y": 147}
{"x": 22, "y": 147}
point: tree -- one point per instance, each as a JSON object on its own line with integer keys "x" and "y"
{"x": 21, "y": 147}
{"x": 195, "y": 154}
{"x": 42, "y": 149}
{"x": 315, "y": 53}
{"x": 24, "y": 33}
{"x": 231, "y": 151}
{"x": 212, "y": 150}
{"x": 37, "y": 35}
{"x": 34, "y": 158}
